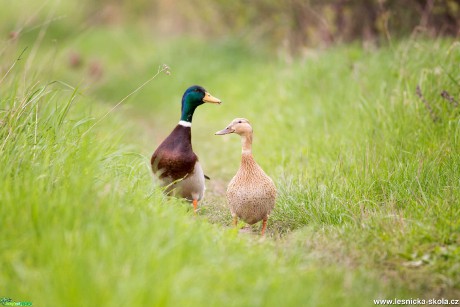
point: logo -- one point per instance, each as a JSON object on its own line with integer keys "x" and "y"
{"x": 6, "y": 301}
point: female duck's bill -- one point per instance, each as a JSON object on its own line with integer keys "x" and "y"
{"x": 235, "y": 127}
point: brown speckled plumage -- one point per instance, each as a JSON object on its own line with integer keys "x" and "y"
{"x": 251, "y": 194}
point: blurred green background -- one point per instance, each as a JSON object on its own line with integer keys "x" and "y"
{"x": 272, "y": 28}
{"x": 284, "y": 25}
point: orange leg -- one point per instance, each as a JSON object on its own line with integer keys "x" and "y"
{"x": 235, "y": 221}
{"x": 264, "y": 226}
{"x": 195, "y": 206}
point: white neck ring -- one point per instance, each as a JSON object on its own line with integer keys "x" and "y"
{"x": 185, "y": 124}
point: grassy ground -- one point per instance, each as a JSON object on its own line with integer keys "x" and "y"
{"x": 368, "y": 177}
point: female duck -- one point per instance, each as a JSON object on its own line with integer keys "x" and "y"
{"x": 174, "y": 161}
{"x": 251, "y": 194}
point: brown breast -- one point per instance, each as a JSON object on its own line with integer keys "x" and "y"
{"x": 174, "y": 157}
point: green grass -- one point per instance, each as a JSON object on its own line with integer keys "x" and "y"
{"x": 368, "y": 183}
{"x": 82, "y": 225}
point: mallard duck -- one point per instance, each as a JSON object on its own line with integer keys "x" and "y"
{"x": 174, "y": 162}
{"x": 251, "y": 194}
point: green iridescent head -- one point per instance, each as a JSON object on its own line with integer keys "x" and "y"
{"x": 193, "y": 97}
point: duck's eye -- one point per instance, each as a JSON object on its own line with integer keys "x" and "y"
{"x": 239, "y": 122}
